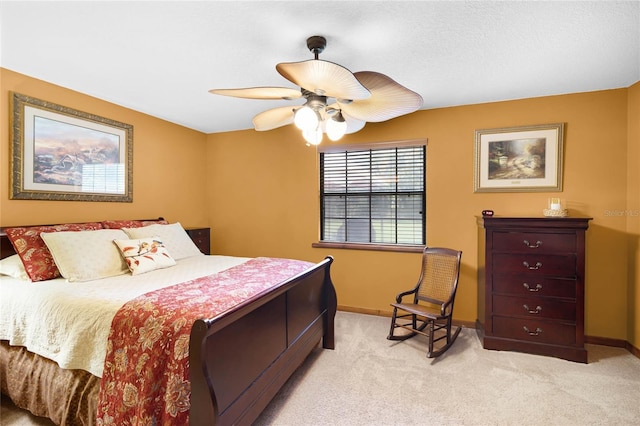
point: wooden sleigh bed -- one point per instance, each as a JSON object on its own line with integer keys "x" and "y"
{"x": 238, "y": 359}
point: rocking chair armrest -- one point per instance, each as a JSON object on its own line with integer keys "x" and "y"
{"x": 444, "y": 306}
{"x": 404, "y": 293}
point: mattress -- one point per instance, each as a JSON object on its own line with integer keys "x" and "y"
{"x": 69, "y": 322}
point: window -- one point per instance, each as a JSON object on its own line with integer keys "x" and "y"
{"x": 373, "y": 194}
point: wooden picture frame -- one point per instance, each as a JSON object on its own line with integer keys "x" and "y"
{"x": 519, "y": 159}
{"x": 59, "y": 153}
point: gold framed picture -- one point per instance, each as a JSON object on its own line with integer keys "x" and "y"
{"x": 59, "y": 153}
{"x": 519, "y": 159}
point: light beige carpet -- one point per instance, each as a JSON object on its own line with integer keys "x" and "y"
{"x": 368, "y": 380}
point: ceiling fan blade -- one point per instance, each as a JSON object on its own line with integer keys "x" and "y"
{"x": 324, "y": 78}
{"x": 260, "y": 93}
{"x": 273, "y": 118}
{"x": 353, "y": 124}
{"x": 388, "y": 99}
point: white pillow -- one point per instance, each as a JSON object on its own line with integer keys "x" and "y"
{"x": 13, "y": 267}
{"x": 144, "y": 255}
{"x": 86, "y": 255}
{"x": 173, "y": 236}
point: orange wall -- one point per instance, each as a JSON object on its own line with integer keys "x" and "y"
{"x": 259, "y": 191}
{"x": 633, "y": 219}
{"x": 169, "y": 175}
{"x": 263, "y": 198}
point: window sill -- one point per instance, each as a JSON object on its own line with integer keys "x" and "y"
{"x": 407, "y": 248}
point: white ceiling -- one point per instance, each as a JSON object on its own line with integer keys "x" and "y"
{"x": 161, "y": 58}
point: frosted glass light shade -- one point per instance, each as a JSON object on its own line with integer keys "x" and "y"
{"x": 306, "y": 119}
{"x": 336, "y": 128}
{"x": 313, "y": 137}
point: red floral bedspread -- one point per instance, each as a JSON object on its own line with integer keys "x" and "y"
{"x": 146, "y": 371}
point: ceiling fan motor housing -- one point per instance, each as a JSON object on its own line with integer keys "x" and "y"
{"x": 316, "y": 44}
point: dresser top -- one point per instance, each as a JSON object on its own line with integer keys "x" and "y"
{"x": 533, "y": 221}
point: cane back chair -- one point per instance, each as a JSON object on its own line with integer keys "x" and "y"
{"x": 431, "y": 301}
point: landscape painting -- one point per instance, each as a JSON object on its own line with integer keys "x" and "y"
{"x": 517, "y": 159}
{"x": 62, "y": 151}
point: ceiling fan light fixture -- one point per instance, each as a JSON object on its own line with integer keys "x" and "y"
{"x": 336, "y": 126}
{"x": 360, "y": 97}
{"x": 306, "y": 118}
{"x": 313, "y": 136}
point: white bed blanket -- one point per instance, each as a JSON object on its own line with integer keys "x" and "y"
{"x": 69, "y": 323}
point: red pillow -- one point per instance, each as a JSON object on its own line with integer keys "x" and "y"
{"x": 119, "y": 224}
{"x": 33, "y": 252}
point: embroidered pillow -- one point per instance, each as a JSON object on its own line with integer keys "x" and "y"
{"x": 13, "y": 267}
{"x": 144, "y": 255}
{"x": 86, "y": 255}
{"x": 35, "y": 256}
{"x": 119, "y": 224}
{"x": 174, "y": 237}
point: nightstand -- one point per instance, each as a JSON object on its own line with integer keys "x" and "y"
{"x": 201, "y": 238}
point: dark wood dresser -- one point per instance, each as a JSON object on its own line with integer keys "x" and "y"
{"x": 201, "y": 237}
{"x": 531, "y": 285}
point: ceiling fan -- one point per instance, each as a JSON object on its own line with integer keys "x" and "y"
{"x": 336, "y": 100}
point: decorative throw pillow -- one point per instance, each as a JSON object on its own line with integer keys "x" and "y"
{"x": 174, "y": 237}
{"x": 119, "y": 224}
{"x": 35, "y": 255}
{"x": 13, "y": 267}
{"x": 86, "y": 255}
{"x": 144, "y": 255}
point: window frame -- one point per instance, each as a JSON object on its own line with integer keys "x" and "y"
{"x": 413, "y": 248}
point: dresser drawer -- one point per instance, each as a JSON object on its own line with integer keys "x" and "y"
{"x": 538, "y": 307}
{"x": 534, "y": 242}
{"x": 539, "y": 331}
{"x": 563, "y": 265}
{"x": 528, "y": 285}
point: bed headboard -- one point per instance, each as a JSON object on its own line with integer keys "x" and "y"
{"x": 6, "y": 248}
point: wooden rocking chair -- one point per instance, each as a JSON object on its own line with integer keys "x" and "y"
{"x": 432, "y": 303}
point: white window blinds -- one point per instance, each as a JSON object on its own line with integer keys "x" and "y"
{"x": 373, "y": 195}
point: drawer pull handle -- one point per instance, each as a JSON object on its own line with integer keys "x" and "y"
{"x": 537, "y": 288}
{"x": 533, "y": 333}
{"x": 536, "y": 245}
{"x": 537, "y": 310}
{"x": 538, "y": 265}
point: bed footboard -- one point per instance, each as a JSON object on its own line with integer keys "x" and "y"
{"x": 239, "y": 360}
